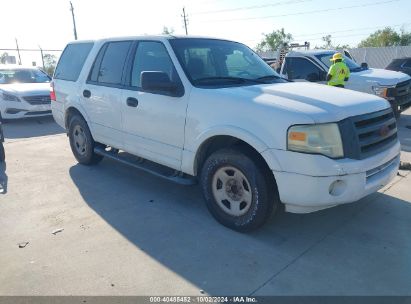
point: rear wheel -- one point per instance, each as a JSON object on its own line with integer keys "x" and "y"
{"x": 237, "y": 191}
{"x": 81, "y": 142}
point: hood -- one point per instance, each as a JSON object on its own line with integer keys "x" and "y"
{"x": 380, "y": 77}
{"x": 321, "y": 103}
{"x": 26, "y": 89}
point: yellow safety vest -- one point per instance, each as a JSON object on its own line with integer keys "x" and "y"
{"x": 338, "y": 71}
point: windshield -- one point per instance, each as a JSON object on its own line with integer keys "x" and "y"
{"x": 8, "y": 76}
{"x": 351, "y": 64}
{"x": 211, "y": 62}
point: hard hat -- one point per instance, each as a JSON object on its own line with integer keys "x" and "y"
{"x": 337, "y": 56}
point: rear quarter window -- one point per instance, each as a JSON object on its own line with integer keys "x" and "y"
{"x": 72, "y": 61}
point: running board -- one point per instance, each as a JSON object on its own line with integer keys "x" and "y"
{"x": 148, "y": 166}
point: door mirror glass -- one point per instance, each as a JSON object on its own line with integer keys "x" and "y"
{"x": 157, "y": 82}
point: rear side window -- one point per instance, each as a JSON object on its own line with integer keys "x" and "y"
{"x": 109, "y": 64}
{"x": 72, "y": 61}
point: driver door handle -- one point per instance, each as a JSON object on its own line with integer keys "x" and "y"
{"x": 132, "y": 102}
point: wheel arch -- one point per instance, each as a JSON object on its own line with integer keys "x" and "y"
{"x": 247, "y": 143}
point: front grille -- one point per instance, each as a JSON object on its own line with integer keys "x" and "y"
{"x": 369, "y": 134}
{"x": 402, "y": 94}
{"x": 38, "y": 113}
{"x": 38, "y": 100}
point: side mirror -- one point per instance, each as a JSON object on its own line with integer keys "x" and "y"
{"x": 158, "y": 82}
{"x": 323, "y": 76}
{"x": 313, "y": 77}
{"x": 364, "y": 66}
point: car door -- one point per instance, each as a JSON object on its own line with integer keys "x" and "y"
{"x": 302, "y": 69}
{"x": 102, "y": 94}
{"x": 153, "y": 123}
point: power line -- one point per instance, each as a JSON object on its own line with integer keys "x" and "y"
{"x": 303, "y": 13}
{"x": 251, "y": 7}
{"x": 352, "y": 30}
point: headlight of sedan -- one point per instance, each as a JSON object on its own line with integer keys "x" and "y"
{"x": 381, "y": 91}
{"x": 10, "y": 97}
{"x": 322, "y": 139}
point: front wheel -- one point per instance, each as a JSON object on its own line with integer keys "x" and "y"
{"x": 2, "y": 153}
{"x": 81, "y": 142}
{"x": 237, "y": 191}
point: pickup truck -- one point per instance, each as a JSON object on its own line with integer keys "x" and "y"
{"x": 313, "y": 65}
{"x": 192, "y": 109}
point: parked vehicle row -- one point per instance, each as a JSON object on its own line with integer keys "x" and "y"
{"x": 313, "y": 65}
{"x": 212, "y": 111}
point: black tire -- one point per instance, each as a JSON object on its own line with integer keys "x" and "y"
{"x": 85, "y": 154}
{"x": 395, "y": 109}
{"x": 2, "y": 153}
{"x": 264, "y": 199}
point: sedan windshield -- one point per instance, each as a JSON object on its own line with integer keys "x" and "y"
{"x": 212, "y": 62}
{"x": 8, "y": 76}
{"x": 351, "y": 64}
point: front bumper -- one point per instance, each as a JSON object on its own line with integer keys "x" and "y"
{"x": 15, "y": 110}
{"x": 331, "y": 182}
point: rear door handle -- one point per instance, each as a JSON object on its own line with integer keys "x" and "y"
{"x": 87, "y": 93}
{"x": 132, "y": 102}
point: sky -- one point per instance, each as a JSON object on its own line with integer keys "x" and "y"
{"x": 48, "y": 23}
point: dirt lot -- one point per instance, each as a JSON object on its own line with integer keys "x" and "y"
{"x": 118, "y": 231}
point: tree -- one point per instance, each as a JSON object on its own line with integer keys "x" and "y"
{"x": 50, "y": 62}
{"x": 387, "y": 37}
{"x": 274, "y": 41}
{"x": 167, "y": 31}
{"x": 329, "y": 45}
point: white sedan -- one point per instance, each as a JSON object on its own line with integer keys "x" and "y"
{"x": 24, "y": 92}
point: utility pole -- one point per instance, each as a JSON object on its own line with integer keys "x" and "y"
{"x": 74, "y": 21}
{"x": 185, "y": 19}
{"x": 42, "y": 57}
{"x": 18, "y": 51}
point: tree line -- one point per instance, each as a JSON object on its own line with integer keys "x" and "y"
{"x": 381, "y": 38}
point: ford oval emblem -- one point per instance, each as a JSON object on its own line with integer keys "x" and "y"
{"x": 384, "y": 131}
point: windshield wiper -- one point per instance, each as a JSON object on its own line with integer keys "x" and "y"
{"x": 228, "y": 78}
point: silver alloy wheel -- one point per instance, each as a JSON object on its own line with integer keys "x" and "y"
{"x": 232, "y": 191}
{"x": 80, "y": 140}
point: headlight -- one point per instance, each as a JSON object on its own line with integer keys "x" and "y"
{"x": 381, "y": 91}
{"x": 10, "y": 97}
{"x": 322, "y": 139}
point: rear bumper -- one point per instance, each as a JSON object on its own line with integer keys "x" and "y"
{"x": 353, "y": 180}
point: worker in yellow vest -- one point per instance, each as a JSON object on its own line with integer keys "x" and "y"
{"x": 338, "y": 73}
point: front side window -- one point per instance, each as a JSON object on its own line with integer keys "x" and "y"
{"x": 351, "y": 64}
{"x": 301, "y": 68}
{"x": 109, "y": 65}
{"x": 212, "y": 62}
{"x": 151, "y": 56}
{"x": 8, "y": 76}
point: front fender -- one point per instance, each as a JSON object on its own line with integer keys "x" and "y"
{"x": 193, "y": 148}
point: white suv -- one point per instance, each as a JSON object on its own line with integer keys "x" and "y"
{"x": 208, "y": 110}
